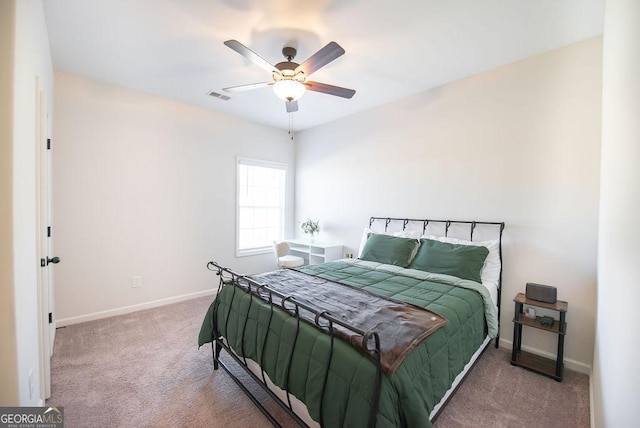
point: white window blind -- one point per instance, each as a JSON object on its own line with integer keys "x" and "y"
{"x": 261, "y": 205}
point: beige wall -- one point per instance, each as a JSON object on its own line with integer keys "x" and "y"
{"x": 520, "y": 144}
{"x": 8, "y": 348}
{"x": 146, "y": 186}
{"x": 616, "y": 375}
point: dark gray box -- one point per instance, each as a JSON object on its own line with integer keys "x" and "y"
{"x": 541, "y": 292}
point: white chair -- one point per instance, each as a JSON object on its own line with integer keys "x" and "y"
{"x": 286, "y": 260}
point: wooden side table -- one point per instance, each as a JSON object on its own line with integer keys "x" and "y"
{"x": 536, "y": 363}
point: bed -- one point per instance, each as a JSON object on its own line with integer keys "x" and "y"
{"x": 382, "y": 340}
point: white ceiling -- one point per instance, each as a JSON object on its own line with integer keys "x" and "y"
{"x": 174, "y": 48}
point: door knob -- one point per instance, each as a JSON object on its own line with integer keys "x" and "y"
{"x": 54, "y": 260}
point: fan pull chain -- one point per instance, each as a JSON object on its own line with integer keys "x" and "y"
{"x": 291, "y": 125}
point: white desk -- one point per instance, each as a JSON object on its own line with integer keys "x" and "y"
{"x": 315, "y": 252}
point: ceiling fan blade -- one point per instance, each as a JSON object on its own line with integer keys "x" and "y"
{"x": 321, "y": 58}
{"x": 248, "y": 87}
{"x": 338, "y": 91}
{"x": 250, "y": 55}
{"x": 291, "y": 106}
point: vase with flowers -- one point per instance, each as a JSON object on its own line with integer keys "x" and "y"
{"x": 311, "y": 228}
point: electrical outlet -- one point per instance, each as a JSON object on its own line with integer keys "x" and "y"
{"x": 136, "y": 281}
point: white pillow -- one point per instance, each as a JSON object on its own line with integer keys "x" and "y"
{"x": 414, "y": 234}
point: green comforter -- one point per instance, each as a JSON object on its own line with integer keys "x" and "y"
{"x": 408, "y": 396}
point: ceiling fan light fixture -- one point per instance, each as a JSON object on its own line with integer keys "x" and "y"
{"x": 289, "y": 90}
{"x": 289, "y": 78}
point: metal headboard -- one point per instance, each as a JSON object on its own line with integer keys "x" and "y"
{"x": 392, "y": 224}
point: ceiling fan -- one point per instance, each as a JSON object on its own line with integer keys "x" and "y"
{"x": 289, "y": 79}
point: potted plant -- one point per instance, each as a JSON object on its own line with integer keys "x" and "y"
{"x": 310, "y": 227}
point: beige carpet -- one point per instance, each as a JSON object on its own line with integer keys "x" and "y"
{"x": 145, "y": 370}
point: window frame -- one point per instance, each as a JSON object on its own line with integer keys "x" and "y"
{"x": 240, "y": 160}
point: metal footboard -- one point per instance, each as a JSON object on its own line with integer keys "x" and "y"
{"x": 323, "y": 320}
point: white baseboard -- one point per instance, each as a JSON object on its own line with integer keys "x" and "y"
{"x": 133, "y": 308}
{"x": 574, "y": 365}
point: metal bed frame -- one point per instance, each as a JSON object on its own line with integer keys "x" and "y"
{"x": 322, "y": 320}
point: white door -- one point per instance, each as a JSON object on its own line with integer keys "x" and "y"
{"x": 44, "y": 243}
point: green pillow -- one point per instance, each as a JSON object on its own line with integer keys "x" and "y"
{"x": 463, "y": 261}
{"x": 387, "y": 249}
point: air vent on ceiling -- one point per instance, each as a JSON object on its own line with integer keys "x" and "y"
{"x": 217, "y": 95}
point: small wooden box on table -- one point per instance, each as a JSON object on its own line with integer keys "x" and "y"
{"x": 531, "y": 361}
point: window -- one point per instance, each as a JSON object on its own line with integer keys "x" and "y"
{"x": 261, "y": 195}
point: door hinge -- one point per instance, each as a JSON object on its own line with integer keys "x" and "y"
{"x": 43, "y": 262}
{"x": 48, "y": 231}
{"x": 48, "y": 143}
{"x": 50, "y": 317}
